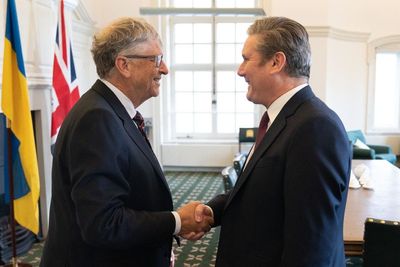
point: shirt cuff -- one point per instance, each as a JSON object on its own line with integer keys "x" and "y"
{"x": 177, "y": 222}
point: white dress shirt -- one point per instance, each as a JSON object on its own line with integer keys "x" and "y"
{"x": 274, "y": 109}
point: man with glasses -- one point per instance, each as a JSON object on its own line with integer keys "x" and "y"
{"x": 111, "y": 205}
{"x": 157, "y": 58}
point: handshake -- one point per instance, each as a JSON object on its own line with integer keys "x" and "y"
{"x": 196, "y": 220}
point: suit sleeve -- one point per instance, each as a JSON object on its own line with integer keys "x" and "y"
{"x": 98, "y": 164}
{"x": 315, "y": 192}
{"x": 217, "y": 204}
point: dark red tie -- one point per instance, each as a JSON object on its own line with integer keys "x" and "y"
{"x": 262, "y": 128}
{"x": 140, "y": 124}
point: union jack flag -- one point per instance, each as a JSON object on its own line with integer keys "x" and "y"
{"x": 65, "y": 91}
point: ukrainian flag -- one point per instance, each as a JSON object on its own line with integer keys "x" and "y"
{"x": 16, "y": 108}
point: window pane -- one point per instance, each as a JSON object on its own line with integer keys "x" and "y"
{"x": 226, "y": 123}
{"x": 386, "y": 91}
{"x": 226, "y": 53}
{"x": 183, "y": 102}
{"x": 245, "y": 3}
{"x": 184, "y": 122}
{"x": 225, "y": 3}
{"x": 241, "y": 32}
{"x": 184, "y": 33}
{"x": 202, "y": 33}
{"x": 242, "y": 104}
{"x": 202, "y": 81}
{"x": 202, "y": 3}
{"x": 184, "y": 54}
{"x": 225, "y": 102}
{"x": 225, "y": 33}
{"x": 183, "y": 81}
{"x": 182, "y": 3}
{"x": 238, "y": 54}
{"x": 244, "y": 120}
{"x": 202, "y": 102}
{"x": 241, "y": 84}
{"x": 203, "y": 123}
{"x": 202, "y": 54}
{"x": 226, "y": 81}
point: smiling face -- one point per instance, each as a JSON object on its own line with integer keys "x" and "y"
{"x": 145, "y": 75}
{"x": 257, "y": 72}
{"x": 136, "y": 72}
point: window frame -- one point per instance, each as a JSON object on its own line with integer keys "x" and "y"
{"x": 389, "y": 44}
{"x": 171, "y": 135}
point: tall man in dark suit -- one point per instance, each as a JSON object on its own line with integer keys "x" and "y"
{"x": 111, "y": 205}
{"x": 288, "y": 204}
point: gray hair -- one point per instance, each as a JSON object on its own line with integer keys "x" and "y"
{"x": 280, "y": 34}
{"x": 121, "y": 35}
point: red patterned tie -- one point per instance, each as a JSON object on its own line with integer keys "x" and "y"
{"x": 140, "y": 124}
{"x": 262, "y": 128}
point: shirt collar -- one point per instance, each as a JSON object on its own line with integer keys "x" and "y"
{"x": 125, "y": 101}
{"x": 279, "y": 103}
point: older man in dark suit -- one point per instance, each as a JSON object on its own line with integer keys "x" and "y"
{"x": 287, "y": 207}
{"x": 111, "y": 205}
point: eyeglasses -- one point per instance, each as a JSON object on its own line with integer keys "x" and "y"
{"x": 157, "y": 58}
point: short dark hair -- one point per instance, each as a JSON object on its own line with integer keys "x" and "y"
{"x": 280, "y": 34}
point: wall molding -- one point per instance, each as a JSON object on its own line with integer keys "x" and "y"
{"x": 338, "y": 34}
{"x": 82, "y": 16}
{"x": 385, "y": 41}
{"x": 83, "y": 27}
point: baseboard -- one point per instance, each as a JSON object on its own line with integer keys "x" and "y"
{"x": 192, "y": 169}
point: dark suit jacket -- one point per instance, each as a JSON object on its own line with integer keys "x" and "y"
{"x": 287, "y": 207}
{"x": 110, "y": 201}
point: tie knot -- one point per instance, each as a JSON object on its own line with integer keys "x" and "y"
{"x": 139, "y": 120}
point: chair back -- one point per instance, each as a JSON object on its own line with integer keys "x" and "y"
{"x": 247, "y": 135}
{"x": 229, "y": 178}
{"x": 356, "y": 134}
{"x": 381, "y": 243}
{"x": 238, "y": 162}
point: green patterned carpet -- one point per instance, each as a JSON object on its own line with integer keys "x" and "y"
{"x": 186, "y": 186}
{"x": 202, "y": 187}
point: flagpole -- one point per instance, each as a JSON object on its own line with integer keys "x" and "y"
{"x": 11, "y": 185}
{"x": 14, "y": 262}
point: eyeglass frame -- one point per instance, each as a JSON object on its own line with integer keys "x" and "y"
{"x": 156, "y": 58}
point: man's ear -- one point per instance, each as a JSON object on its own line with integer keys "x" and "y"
{"x": 278, "y": 62}
{"x": 122, "y": 66}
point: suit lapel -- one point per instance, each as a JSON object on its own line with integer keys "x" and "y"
{"x": 273, "y": 132}
{"x": 129, "y": 126}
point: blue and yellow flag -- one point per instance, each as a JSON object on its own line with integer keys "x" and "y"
{"x": 16, "y": 108}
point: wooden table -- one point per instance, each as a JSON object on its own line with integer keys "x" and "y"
{"x": 381, "y": 203}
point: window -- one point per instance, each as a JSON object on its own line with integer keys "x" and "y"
{"x": 206, "y": 99}
{"x": 384, "y": 92}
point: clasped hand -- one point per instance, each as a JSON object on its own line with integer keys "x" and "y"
{"x": 196, "y": 220}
